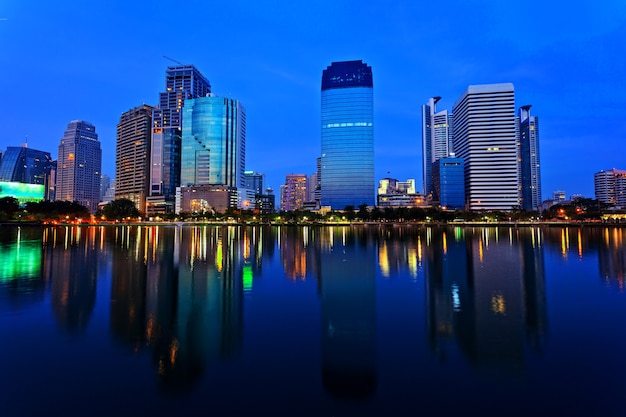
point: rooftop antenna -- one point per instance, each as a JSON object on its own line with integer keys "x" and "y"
{"x": 173, "y": 60}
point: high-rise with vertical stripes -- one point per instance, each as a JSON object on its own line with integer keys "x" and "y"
{"x": 485, "y": 137}
{"x": 529, "y": 166}
{"x": 436, "y": 140}
{"x": 181, "y": 82}
{"x": 79, "y": 165}
{"x": 347, "y": 124}
{"x": 132, "y": 155}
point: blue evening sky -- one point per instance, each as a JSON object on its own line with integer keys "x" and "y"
{"x": 93, "y": 60}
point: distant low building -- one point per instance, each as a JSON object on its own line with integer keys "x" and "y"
{"x": 401, "y": 200}
{"x": 205, "y": 199}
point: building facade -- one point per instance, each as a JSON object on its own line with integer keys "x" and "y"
{"x": 436, "y": 139}
{"x": 254, "y": 181}
{"x": 485, "y": 137}
{"x": 529, "y": 166}
{"x": 347, "y": 125}
{"x": 214, "y": 145}
{"x": 25, "y": 165}
{"x": 610, "y": 187}
{"x": 181, "y": 82}
{"x": 132, "y": 155}
{"x": 449, "y": 182}
{"x": 79, "y": 165}
{"x": 294, "y": 193}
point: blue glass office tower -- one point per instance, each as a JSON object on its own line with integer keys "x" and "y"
{"x": 214, "y": 142}
{"x": 347, "y": 135}
{"x": 181, "y": 82}
{"x": 449, "y": 182}
{"x": 25, "y": 165}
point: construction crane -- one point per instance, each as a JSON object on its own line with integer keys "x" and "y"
{"x": 173, "y": 60}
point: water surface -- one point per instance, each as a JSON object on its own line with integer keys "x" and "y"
{"x": 329, "y": 321}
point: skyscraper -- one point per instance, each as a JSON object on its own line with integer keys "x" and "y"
{"x": 214, "y": 149}
{"x": 529, "y": 167}
{"x": 254, "y": 181}
{"x": 485, "y": 137}
{"x": 436, "y": 139}
{"x": 132, "y": 155}
{"x": 79, "y": 165}
{"x": 181, "y": 82}
{"x": 295, "y": 192}
{"x": 214, "y": 142}
{"x": 347, "y": 172}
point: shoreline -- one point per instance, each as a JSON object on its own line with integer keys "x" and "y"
{"x": 329, "y": 224}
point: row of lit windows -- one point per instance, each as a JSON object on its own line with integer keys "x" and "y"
{"x": 350, "y": 124}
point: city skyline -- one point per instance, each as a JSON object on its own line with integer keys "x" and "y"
{"x": 566, "y": 63}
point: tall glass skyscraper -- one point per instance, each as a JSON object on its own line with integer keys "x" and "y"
{"x": 347, "y": 135}
{"x": 213, "y": 142}
{"x": 436, "y": 139}
{"x": 530, "y": 170}
{"x": 79, "y": 165}
{"x": 181, "y": 82}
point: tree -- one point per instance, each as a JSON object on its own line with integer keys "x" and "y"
{"x": 120, "y": 209}
{"x": 363, "y": 213}
{"x": 349, "y": 212}
{"x": 8, "y": 207}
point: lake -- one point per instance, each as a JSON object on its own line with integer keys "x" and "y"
{"x": 385, "y": 320}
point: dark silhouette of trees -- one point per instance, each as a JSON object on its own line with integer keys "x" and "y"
{"x": 120, "y": 209}
{"x": 8, "y": 207}
{"x": 56, "y": 210}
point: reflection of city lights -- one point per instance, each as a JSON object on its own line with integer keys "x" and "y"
{"x": 219, "y": 255}
{"x": 498, "y": 305}
{"x": 419, "y": 249}
{"x": 480, "y": 249}
{"x": 580, "y": 244}
{"x": 247, "y": 278}
{"x": 445, "y": 243}
{"x": 412, "y": 262}
{"x": 173, "y": 351}
{"x": 383, "y": 260}
{"x": 456, "y": 299}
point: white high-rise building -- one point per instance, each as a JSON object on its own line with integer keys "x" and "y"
{"x": 436, "y": 143}
{"x": 610, "y": 187}
{"x": 485, "y": 137}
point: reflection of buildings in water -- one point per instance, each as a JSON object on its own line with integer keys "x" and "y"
{"x": 128, "y": 292}
{"x": 72, "y": 269}
{"x": 399, "y": 249}
{"x": 179, "y": 290}
{"x": 486, "y": 291}
{"x": 300, "y": 251}
{"x": 21, "y": 278}
{"x": 612, "y": 257}
{"x": 348, "y": 307}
